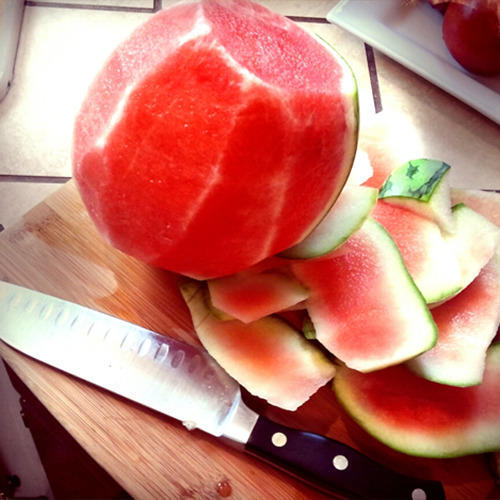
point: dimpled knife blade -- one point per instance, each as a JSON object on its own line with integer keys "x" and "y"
{"x": 157, "y": 371}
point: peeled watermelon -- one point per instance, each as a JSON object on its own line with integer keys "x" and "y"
{"x": 216, "y": 135}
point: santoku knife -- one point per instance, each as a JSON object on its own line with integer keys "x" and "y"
{"x": 184, "y": 382}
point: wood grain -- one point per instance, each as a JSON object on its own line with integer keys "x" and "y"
{"x": 56, "y": 249}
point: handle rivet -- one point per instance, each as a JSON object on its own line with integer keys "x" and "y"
{"x": 340, "y": 462}
{"x": 418, "y": 494}
{"x": 279, "y": 439}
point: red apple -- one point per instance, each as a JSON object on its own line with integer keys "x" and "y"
{"x": 471, "y": 31}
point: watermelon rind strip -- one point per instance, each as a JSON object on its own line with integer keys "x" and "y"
{"x": 406, "y": 303}
{"x": 458, "y": 358}
{"x": 422, "y": 186}
{"x": 418, "y": 303}
{"x": 479, "y": 436}
{"x": 341, "y": 221}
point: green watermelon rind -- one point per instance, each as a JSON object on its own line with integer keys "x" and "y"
{"x": 401, "y": 182}
{"x": 427, "y": 195}
{"x": 337, "y": 226}
{"x": 420, "y": 445}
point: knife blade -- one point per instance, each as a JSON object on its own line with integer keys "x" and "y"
{"x": 184, "y": 382}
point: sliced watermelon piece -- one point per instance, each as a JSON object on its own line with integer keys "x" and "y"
{"x": 486, "y": 203}
{"x": 474, "y": 241}
{"x": 419, "y": 417}
{"x": 268, "y": 357}
{"x": 428, "y": 257}
{"x": 421, "y": 186}
{"x": 249, "y": 296}
{"x": 346, "y": 216}
{"x": 363, "y": 303}
{"x": 466, "y": 325}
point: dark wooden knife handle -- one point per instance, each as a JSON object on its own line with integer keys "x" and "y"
{"x": 334, "y": 467}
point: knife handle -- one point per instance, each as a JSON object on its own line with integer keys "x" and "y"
{"x": 334, "y": 467}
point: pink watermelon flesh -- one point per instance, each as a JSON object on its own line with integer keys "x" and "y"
{"x": 419, "y": 417}
{"x": 268, "y": 357}
{"x": 467, "y": 324}
{"x": 427, "y": 256}
{"x": 250, "y": 296}
{"x": 363, "y": 303}
{"x": 216, "y": 135}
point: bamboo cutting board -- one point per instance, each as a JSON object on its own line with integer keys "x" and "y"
{"x": 56, "y": 249}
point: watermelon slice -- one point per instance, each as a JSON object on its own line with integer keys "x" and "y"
{"x": 466, "y": 324}
{"x": 486, "y": 203}
{"x": 421, "y": 186}
{"x": 428, "y": 257}
{"x": 419, "y": 417}
{"x": 237, "y": 156}
{"x": 474, "y": 241}
{"x": 268, "y": 357}
{"x": 249, "y": 296}
{"x": 346, "y": 216}
{"x": 363, "y": 303}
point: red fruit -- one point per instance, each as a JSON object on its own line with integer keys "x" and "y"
{"x": 440, "y": 5}
{"x": 217, "y": 135}
{"x": 471, "y": 32}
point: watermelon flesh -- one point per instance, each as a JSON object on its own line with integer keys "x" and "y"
{"x": 250, "y": 296}
{"x": 428, "y": 257}
{"x": 268, "y": 357}
{"x": 467, "y": 324}
{"x": 419, "y": 417}
{"x": 208, "y": 170}
{"x": 364, "y": 306}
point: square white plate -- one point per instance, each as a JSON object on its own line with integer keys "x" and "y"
{"x": 410, "y": 33}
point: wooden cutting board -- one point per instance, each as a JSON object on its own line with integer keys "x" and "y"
{"x": 56, "y": 249}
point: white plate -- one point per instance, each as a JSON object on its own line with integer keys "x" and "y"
{"x": 410, "y": 33}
